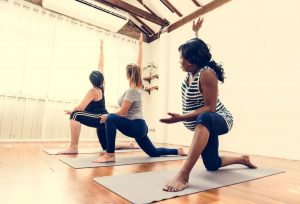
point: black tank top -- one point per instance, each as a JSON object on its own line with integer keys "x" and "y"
{"x": 97, "y": 106}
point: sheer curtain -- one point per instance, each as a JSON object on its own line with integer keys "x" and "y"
{"x": 46, "y": 59}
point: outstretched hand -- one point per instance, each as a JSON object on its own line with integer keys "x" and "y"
{"x": 175, "y": 117}
{"x": 101, "y": 43}
{"x": 197, "y": 25}
{"x": 141, "y": 39}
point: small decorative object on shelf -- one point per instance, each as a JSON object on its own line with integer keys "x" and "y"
{"x": 152, "y": 75}
{"x": 151, "y": 67}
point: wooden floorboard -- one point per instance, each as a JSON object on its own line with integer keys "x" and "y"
{"x": 29, "y": 175}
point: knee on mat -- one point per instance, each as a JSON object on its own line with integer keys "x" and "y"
{"x": 212, "y": 166}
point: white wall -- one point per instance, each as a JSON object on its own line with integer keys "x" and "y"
{"x": 258, "y": 44}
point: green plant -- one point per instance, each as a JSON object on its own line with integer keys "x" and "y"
{"x": 151, "y": 66}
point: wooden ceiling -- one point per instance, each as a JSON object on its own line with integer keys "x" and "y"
{"x": 152, "y": 17}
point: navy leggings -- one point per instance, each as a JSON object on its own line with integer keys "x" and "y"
{"x": 216, "y": 126}
{"x": 92, "y": 120}
{"x": 136, "y": 129}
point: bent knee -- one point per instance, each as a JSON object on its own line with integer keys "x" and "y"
{"x": 73, "y": 115}
{"x": 205, "y": 119}
{"x": 111, "y": 117}
{"x": 212, "y": 167}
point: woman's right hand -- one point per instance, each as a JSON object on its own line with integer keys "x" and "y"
{"x": 175, "y": 117}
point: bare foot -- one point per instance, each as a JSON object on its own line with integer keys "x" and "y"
{"x": 106, "y": 157}
{"x": 101, "y": 154}
{"x": 177, "y": 184}
{"x": 181, "y": 152}
{"x": 70, "y": 150}
{"x": 246, "y": 161}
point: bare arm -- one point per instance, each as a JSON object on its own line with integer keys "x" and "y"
{"x": 124, "y": 108}
{"x": 122, "y": 112}
{"x": 209, "y": 85}
{"x": 139, "y": 60}
{"x": 87, "y": 99}
{"x": 101, "y": 58}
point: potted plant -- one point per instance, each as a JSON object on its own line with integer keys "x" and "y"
{"x": 151, "y": 67}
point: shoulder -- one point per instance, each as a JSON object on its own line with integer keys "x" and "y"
{"x": 133, "y": 93}
{"x": 92, "y": 92}
{"x": 208, "y": 74}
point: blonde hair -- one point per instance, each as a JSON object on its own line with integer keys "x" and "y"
{"x": 134, "y": 74}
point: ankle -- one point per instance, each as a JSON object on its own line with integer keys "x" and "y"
{"x": 183, "y": 175}
{"x": 110, "y": 154}
{"x": 73, "y": 147}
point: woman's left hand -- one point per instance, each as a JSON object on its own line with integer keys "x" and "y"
{"x": 197, "y": 25}
{"x": 68, "y": 112}
{"x": 141, "y": 39}
{"x": 103, "y": 118}
{"x": 173, "y": 119}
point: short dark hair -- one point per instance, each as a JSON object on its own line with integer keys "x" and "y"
{"x": 96, "y": 78}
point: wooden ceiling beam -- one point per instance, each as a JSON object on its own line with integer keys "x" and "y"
{"x": 201, "y": 11}
{"x": 144, "y": 26}
{"x": 146, "y": 7}
{"x": 196, "y": 3}
{"x": 171, "y": 7}
{"x": 133, "y": 10}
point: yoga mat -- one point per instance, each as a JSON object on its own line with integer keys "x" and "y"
{"x": 147, "y": 187}
{"x": 86, "y": 162}
{"x": 89, "y": 150}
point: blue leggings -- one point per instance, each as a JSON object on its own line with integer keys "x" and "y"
{"x": 216, "y": 126}
{"x": 136, "y": 129}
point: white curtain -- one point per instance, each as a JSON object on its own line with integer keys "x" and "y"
{"x": 48, "y": 57}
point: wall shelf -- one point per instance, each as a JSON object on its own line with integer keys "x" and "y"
{"x": 151, "y": 88}
{"x": 149, "y": 78}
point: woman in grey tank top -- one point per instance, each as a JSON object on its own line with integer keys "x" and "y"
{"x": 129, "y": 119}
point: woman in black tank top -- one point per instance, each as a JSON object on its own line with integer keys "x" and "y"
{"x": 88, "y": 112}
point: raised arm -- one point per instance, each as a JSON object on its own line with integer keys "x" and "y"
{"x": 140, "y": 53}
{"x": 101, "y": 58}
{"x": 140, "y": 57}
{"x": 197, "y": 25}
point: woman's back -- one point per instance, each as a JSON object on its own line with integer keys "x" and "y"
{"x": 133, "y": 95}
{"x": 97, "y": 106}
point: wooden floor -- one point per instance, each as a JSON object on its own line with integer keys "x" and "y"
{"x": 29, "y": 176}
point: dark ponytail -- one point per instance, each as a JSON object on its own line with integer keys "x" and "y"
{"x": 218, "y": 70}
{"x": 195, "y": 51}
